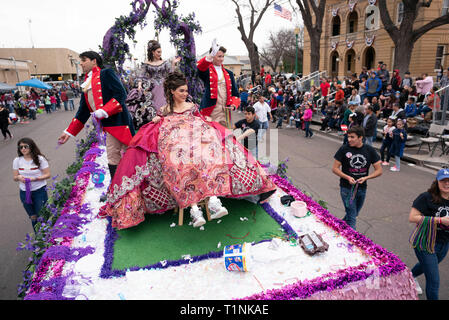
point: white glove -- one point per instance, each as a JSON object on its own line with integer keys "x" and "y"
{"x": 100, "y": 114}
{"x": 215, "y": 48}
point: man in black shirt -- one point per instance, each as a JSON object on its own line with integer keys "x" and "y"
{"x": 250, "y": 127}
{"x": 352, "y": 163}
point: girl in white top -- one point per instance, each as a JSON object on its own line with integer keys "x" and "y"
{"x": 31, "y": 170}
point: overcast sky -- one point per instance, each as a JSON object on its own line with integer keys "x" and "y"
{"x": 80, "y": 25}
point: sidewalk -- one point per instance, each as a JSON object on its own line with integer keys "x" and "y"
{"x": 411, "y": 155}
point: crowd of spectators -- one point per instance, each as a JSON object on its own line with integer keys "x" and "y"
{"x": 336, "y": 99}
{"x": 369, "y": 99}
{"x": 23, "y": 106}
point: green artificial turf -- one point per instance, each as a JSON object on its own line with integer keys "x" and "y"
{"x": 154, "y": 240}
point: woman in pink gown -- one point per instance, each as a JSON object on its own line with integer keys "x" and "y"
{"x": 178, "y": 160}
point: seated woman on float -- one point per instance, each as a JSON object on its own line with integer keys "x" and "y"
{"x": 179, "y": 160}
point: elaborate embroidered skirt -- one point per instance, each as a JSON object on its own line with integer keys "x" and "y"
{"x": 180, "y": 162}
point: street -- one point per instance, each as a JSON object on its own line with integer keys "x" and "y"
{"x": 384, "y": 217}
{"x": 14, "y": 220}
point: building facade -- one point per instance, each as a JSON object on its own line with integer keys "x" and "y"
{"x": 51, "y": 64}
{"x": 14, "y": 71}
{"x": 354, "y": 37}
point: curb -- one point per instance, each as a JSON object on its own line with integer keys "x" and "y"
{"x": 407, "y": 157}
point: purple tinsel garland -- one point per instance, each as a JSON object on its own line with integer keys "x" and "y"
{"x": 66, "y": 227}
{"x": 28, "y": 200}
{"x": 386, "y": 262}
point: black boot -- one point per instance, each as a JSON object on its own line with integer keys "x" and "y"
{"x": 112, "y": 170}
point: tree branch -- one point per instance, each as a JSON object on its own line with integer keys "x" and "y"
{"x": 241, "y": 27}
{"x": 418, "y": 33}
{"x": 390, "y": 27}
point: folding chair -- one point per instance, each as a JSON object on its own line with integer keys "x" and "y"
{"x": 433, "y": 137}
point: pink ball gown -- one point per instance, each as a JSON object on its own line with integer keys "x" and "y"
{"x": 179, "y": 162}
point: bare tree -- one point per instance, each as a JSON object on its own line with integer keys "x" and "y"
{"x": 405, "y": 36}
{"x": 312, "y": 14}
{"x": 248, "y": 39}
{"x": 281, "y": 48}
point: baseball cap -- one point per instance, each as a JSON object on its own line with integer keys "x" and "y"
{"x": 442, "y": 174}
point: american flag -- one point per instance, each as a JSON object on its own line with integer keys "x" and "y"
{"x": 282, "y": 12}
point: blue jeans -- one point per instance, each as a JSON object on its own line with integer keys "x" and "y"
{"x": 39, "y": 198}
{"x": 309, "y": 132}
{"x": 352, "y": 208}
{"x": 71, "y": 105}
{"x": 262, "y": 130}
{"x": 428, "y": 264}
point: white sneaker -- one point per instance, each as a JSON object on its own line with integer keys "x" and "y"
{"x": 216, "y": 208}
{"x": 394, "y": 169}
{"x": 418, "y": 287}
{"x": 197, "y": 217}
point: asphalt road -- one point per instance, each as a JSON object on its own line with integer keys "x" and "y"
{"x": 14, "y": 222}
{"x": 384, "y": 217}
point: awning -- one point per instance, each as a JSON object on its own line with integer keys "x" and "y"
{"x": 6, "y": 87}
{"x": 34, "y": 83}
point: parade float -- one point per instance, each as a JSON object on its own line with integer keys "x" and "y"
{"x": 289, "y": 248}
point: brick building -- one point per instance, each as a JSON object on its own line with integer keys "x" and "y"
{"x": 353, "y": 36}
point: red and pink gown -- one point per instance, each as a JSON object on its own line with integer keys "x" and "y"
{"x": 178, "y": 162}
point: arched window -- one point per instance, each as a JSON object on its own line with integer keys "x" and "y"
{"x": 350, "y": 61}
{"x": 353, "y": 20}
{"x": 336, "y": 23}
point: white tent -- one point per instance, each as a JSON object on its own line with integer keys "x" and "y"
{"x": 6, "y": 87}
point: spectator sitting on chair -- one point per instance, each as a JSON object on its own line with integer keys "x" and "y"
{"x": 398, "y": 112}
{"x": 410, "y": 108}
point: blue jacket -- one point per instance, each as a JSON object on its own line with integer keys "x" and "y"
{"x": 410, "y": 110}
{"x": 398, "y": 144}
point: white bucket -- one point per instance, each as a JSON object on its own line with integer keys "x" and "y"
{"x": 299, "y": 208}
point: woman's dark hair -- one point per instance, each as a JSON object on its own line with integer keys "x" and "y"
{"x": 34, "y": 150}
{"x": 173, "y": 81}
{"x": 434, "y": 191}
{"x": 152, "y": 46}
{"x": 92, "y": 55}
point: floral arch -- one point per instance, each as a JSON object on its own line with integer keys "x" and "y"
{"x": 115, "y": 50}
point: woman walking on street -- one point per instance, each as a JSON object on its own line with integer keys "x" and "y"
{"x": 5, "y": 121}
{"x": 430, "y": 240}
{"x": 31, "y": 170}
